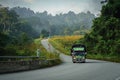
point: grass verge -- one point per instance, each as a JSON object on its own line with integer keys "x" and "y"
{"x": 44, "y": 52}
{"x": 112, "y": 58}
{"x": 64, "y": 43}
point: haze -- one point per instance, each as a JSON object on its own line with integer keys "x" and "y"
{"x": 56, "y": 6}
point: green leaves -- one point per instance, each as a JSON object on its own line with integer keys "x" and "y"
{"x": 105, "y": 35}
{"x": 15, "y": 35}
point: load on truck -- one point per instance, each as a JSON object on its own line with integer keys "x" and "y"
{"x": 78, "y": 53}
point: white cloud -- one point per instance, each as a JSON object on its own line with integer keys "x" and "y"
{"x": 56, "y": 6}
{"x": 29, "y": 1}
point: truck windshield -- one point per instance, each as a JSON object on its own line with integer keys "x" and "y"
{"x": 79, "y": 49}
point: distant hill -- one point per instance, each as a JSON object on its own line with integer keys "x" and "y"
{"x": 60, "y": 24}
{"x": 23, "y": 12}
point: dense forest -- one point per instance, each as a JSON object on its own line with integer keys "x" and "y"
{"x": 20, "y": 26}
{"x": 105, "y": 35}
{"x": 60, "y": 24}
{"x": 16, "y": 36}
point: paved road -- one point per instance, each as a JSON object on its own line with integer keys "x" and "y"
{"x": 91, "y": 70}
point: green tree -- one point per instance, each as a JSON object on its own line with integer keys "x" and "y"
{"x": 44, "y": 33}
{"x": 105, "y": 35}
{"x": 15, "y": 34}
{"x": 7, "y": 19}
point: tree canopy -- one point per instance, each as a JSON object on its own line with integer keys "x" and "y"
{"x": 15, "y": 34}
{"x": 105, "y": 35}
{"x": 58, "y": 24}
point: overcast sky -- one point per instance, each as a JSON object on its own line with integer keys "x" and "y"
{"x": 56, "y": 6}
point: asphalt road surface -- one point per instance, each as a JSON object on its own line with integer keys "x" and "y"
{"x": 91, "y": 70}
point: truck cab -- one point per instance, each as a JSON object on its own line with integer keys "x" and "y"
{"x": 78, "y": 53}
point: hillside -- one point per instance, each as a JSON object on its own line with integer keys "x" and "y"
{"x": 105, "y": 36}
{"x": 60, "y": 24}
{"x": 16, "y": 36}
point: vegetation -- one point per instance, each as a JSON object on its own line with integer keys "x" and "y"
{"x": 60, "y": 24}
{"x": 105, "y": 35}
{"x": 44, "y": 52}
{"x": 16, "y": 36}
{"x": 103, "y": 42}
{"x": 104, "y": 39}
{"x": 17, "y": 33}
{"x": 64, "y": 43}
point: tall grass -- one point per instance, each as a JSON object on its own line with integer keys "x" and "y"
{"x": 44, "y": 52}
{"x": 64, "y": 43}
{"x": 112, "y": 58}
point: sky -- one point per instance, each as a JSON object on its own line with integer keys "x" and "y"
{"x": 56, "y": 6}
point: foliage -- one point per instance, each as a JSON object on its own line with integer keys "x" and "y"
{"x": 105, "y": 35}
{"x": 44, "y": 33}
{"x": 64, "y": 43}
{"x": 58, "y": 43}
{"x": 60, "y": 24}
{"x": 44, "y": 52}
{"x": 16, "y": 36}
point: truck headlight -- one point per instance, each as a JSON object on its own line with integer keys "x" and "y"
{"x": 74, "y": 57}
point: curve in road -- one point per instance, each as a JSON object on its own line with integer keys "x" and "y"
{"x": 91, "y": 70}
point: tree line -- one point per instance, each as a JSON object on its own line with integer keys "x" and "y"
{"x": 105, "y": 35}
{"x": 61, "y": 24}
{"x": 16, "y": 35}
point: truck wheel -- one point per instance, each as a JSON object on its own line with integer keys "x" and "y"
{"x": 84, "y": 61}
{"x": 74, "y": 62}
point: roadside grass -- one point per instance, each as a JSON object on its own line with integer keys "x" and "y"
{"x": 43, "y": 51}
{"x": 112, "y": 58}
{"x": 64, "y": 43}
{"x": 46, "y": 59}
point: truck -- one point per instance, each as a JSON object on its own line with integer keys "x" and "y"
{"x": 78, "y": 53}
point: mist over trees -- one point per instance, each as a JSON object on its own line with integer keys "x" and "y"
{"x": 20, "y": 26}
{"x": 16, "y": 36}
{"x": 60, "y": 24}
